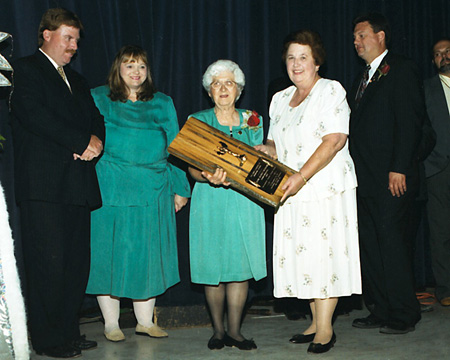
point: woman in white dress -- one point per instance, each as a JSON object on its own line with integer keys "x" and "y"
{"x": 316, "y": 253}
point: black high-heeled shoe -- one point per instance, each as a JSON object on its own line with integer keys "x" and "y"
{"x": 241, "y": 345}
{"x": 302, "y": 338}
{"x": 215, "y": 343}
{"x": 317, "y": 348}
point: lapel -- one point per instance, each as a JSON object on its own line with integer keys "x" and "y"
{"x": 52, "y": 77}
{"x": 375, "y": 85}
{"x": 438, "y": 96}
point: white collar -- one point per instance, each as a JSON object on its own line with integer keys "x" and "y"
{"x": 51, "y": 60}
{"x": 376, "y": 62}
{"x": 445, "y": 79}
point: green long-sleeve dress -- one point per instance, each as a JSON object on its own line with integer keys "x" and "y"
{"x": 133, "y": 244}
{"x": 227, "y": 233}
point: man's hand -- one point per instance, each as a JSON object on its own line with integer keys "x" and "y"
{"x": 397, "y": 184}
{"x": 93, "y": 150}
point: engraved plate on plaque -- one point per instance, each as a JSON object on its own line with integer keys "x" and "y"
{"x": 265, "y": 176}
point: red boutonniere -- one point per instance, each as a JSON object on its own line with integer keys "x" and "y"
{"x": 382, "y": 70}
{"x": 251, "y": 120}
{"x": 385, "y": 69}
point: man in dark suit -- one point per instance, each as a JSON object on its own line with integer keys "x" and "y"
{"x": 57, "y": 132}
{"x": 437, "y": 169}
{"x": 385, "y": 129}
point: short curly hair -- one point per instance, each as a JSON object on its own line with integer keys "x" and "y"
{"x": 220, "y": 66}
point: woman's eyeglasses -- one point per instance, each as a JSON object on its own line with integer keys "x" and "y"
{"x": 218, "y": 84}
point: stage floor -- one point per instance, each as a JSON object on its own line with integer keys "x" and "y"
{"x": 271, "y": 333}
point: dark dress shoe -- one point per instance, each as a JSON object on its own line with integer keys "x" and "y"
{"x": 215, "y": 343}
{"x": 302, "y": 338}
{"x": 370, "y": 322}
{"x": 317, "y": 348}
{"x": 83, "y": 344}
{"x": 396, "y": 329}
{"x": 241, "y": 345}
{"x": 62, "y": 352}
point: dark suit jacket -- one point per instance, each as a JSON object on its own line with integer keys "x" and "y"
{"x": 49, "y": 124}
{"x": 385, "y": 128}
{"x": 440, "y": 120}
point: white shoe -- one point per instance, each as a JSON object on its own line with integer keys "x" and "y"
{"x": 115, "y": 336}
{"x": 153, "y": 331}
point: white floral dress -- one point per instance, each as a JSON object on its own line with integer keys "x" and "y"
{"x": 316, "y": 252}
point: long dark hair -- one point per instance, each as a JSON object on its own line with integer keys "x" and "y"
{"x": 118, "y": 89}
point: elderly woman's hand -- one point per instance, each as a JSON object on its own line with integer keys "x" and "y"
{"x": 268, "y": 149}
{"x": 218, "y": 178}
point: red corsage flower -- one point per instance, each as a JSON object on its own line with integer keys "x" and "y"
{"x": 253, "y": 120}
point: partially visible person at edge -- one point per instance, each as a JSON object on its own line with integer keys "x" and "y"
{"x": 388, "y": 112}
{"x": 316, "y": 253}
{"x": 437, "y": 168}
{"x": 227, "y": 236}
{"x": 134, "y": 242}
{"x": 57, "y": 132}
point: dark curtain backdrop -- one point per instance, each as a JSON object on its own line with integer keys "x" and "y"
{"x": 183, "y": 37}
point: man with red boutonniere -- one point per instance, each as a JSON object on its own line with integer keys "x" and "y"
{"x": 388, "y": 111}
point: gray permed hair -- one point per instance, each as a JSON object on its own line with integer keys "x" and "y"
{"x": 220, "y": 66}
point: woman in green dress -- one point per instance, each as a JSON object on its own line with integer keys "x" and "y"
{"x": 133, "y": 245}
{"x": 227, "y": 236}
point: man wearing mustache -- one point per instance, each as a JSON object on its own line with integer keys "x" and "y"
{"x": 437, "y": 168}
{"x": 57, "y": 132}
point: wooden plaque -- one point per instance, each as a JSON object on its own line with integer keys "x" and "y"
{"x": 248, "y": 170}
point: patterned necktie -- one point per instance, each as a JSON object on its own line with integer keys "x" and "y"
{"x": 363, "y": 84}
{"x": 61, "y": 72}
